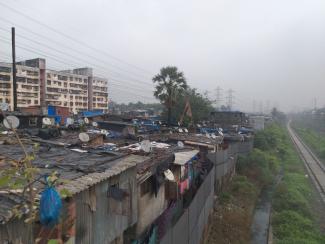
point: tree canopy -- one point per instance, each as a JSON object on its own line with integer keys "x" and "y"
{"x": 170, "y": 85}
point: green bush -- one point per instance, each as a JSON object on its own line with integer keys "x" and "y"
{"x": 225, "y": 197}
{"x": 242, "y": 186}
{"x": 290, "y": 225}
{"x": 293, "y": 220}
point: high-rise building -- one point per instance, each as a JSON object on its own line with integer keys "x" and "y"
{"x": 76, "y": 89}
{"x": 28, "y": 85}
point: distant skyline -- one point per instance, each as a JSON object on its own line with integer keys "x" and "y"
{"x": 266, "y": 51}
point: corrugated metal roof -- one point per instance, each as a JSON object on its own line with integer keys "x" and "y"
{"x": 182, "y": 158}
{"x": 82, "y": 170}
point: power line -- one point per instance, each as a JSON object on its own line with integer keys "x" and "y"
{"x": 69, "y": 62}
{"x": 60, "y": 61}
{"x": 64, "y": 53}
{"x": 73, "y": 39}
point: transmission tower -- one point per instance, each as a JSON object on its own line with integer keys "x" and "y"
{"x": 230, "y": 99}
{"x": 218, "y": 96}
{"x": 254, "y": 106}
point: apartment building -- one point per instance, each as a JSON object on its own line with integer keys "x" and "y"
{"x": 67, "y": 89}
{"x": 99, "y": 93}
{"x": 76, "y": 89}
{"x": 28, "y": 85}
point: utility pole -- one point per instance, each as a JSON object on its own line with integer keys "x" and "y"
{"x": 14, "y": 78}
{"x": 218, "y": 96}
{"x": 230, "y": 98}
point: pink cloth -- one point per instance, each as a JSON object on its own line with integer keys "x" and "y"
{"x": 183, "y": 186}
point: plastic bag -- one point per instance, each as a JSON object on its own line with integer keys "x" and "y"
{"x": 50, "y": 207}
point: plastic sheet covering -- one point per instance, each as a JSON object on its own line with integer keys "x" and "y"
{"x": 50, "y": 207}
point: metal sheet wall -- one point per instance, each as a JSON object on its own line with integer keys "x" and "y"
{"x": 189, "y": 228}
{"x": 95, "y": 223}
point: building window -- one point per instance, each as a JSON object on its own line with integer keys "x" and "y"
{"x": 48, "y": 82}
{"x": 35, "y": 101}
{"x": 32, "y": 121}
{"x": 5, "y": 77}
{"x": 146, "y": 187}
{"x": 5, "y": 69}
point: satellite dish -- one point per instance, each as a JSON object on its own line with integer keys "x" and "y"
{"x": 159, "y": 122}
{"x": 220, "y": 133}
{"x": 70, "y": 121}
{"x": 220, "y": 130}
{"x": 199, "y": 126}
{"x": 169, "y": 175}
{"x": 11, "y": 122}
{"x": 179, "y": 124}
{"x": 180, "y": 130}
{"x": 207, "y": 135}
{"x": 46, "y": 121}
{"x": 4, "y": 106}
{"x": 180, "y": 144}
{"x": 86, "y": 120}
{"x": 84, "y": 137}
{"x": 104, "y": 132}
{"x": 186, "y": 130}
{"x": 145, "y": 146}
{"x": 95, "y": 124}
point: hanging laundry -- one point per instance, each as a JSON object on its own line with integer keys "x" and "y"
{"x": 153, "y": 236}
{"x": 183, "y": 186}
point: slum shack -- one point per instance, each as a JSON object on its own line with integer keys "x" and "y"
{"x": 26, "y": 120}
{"x": 228, "y": 120}
{"x": 118, "y": 128}
{"x": 101, "y": 204}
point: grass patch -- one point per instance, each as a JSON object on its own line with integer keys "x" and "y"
{"x": 293, "y": 218}
{"x": 314, "y": 140}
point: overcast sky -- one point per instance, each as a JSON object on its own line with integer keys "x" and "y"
{"x": 270, "y": 51}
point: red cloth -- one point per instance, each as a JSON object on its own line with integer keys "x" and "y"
{"x": 183, "y": 186}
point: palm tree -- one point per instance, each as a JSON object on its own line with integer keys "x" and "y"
{"x": 170, "y": 84}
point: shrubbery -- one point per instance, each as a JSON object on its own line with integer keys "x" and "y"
{"x": 293, "y": 218}
{"x": 315, "y": 141}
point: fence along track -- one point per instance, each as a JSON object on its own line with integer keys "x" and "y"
{"x": 315, "y": 168}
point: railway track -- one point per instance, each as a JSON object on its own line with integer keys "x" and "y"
{"x": 314, "y": 167}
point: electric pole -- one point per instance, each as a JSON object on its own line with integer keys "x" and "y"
{"x": 14, "y": 78}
